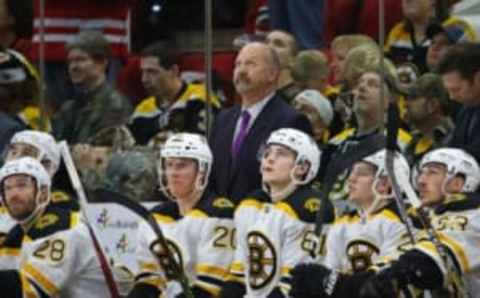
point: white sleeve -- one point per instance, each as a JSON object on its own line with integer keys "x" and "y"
{"x": 335, "y": 247}
{"x": 296, "y": 248}
{"x": 149, "y": 269}
{"x": 394, "y": 233}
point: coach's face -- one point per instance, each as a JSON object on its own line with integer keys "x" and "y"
{"x": 462, "y": 90}
{"x": 255, "y": 72}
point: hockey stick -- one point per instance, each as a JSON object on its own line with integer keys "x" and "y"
{"x": 82, "y": 198}
{"x": 137, "y": 208}
{"x": 392, "y": 133}
{"x": 141, "y": 211}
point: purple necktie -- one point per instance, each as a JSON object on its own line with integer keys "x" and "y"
{"x": 242, "y": 133}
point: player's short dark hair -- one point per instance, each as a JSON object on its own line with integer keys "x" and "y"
{"x": 166, "y": 52}
{"x": 463, "y": 58}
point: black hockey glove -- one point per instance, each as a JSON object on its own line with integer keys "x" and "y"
{"x": 412, "y": 268}
{"x": 232, "y": 289}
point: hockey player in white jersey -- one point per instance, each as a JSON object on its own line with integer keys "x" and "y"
{"x": 447, "y": 183}
{"x": 196, "y": 223}
{"x": 275, "y": 225}
{"x": 56, "y": 257}
{"x": 357, "y": 239}
{"x": 43, "y": 147}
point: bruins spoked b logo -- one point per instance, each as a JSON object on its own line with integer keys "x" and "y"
{"x": 361, "y": 254}
{"x": 262, "y": 260}
{"x": 165, "y": 262}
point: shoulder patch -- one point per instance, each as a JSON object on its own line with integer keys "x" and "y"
{"x": 312, "y": 204}
{"x": 59, "y": 196}
{"x": 46, "y": 220}
{"x": 223, "y": 203}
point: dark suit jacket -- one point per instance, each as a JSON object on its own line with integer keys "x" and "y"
{"x": 236, "y": 178}
{"x": 467, "y": 131}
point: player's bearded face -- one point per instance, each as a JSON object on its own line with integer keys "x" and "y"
{"x": 19, "y": 192}
{"x": 276, "y": 166}
{"x": 430, "y": 183}
{"x": 181, "y": 176}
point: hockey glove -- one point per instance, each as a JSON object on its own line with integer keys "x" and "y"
{"x": 232, "y": 289}
{"x": 412, "y": 268}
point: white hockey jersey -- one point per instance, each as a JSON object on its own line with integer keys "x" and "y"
{"x": 457, "y": 222}
{"x": 201, "y": 241}
{"x": 354, "y": 242}
{"x": 55, "y": 258}
{"x": 274, "y": 237}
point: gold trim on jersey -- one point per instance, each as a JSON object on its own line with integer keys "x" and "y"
{"x": 429, "y": 247}
{"x": 156, "y": 282}
{"x": 197, "y": 214}
{"x": 213, "y": 271}
{"x": 287, "y": 209}
{"x": 212, "y": 289}
{"x": 74, "y": 219}
{"x": 149, "y": 267}
{"x": 165, "y": 219}
{"x": 41, "y": 279}
{"x": 27, "y": 289}
{"x": 457, "y": 250}
{"x": 10, "y": 251}
{"x": 236, "y": 273}
{"x": 249, "y": 203}
{"x": 387, "y": 214}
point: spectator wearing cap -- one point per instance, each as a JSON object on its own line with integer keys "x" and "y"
{"x": 97, "y": 104}
{"x": 408, "y": 40}
{"x": 427, "y": 112}
{"x": 443, "y": 36}
{"x": 319, "y": 112}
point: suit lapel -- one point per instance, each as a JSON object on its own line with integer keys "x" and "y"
{"x": 230, "y": 129}
{"x": 261, "y": 123}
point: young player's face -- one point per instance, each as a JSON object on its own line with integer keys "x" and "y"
{"x": 276, "y": 166}
{"x": 181, "y": 174}
{"x": 19, "y": 196}
{"x": 360, "y": 183}
{"x": 430, "y": 183}
{"x": 17, "y": 150}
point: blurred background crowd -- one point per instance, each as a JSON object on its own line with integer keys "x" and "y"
{"x": 115, "y": 77}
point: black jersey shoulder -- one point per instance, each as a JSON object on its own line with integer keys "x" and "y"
{"x": 459, "y": 202}
{"x": 306, "y": 202}
{"x": 53, "y": 220}
{"x": 167, "y": 209}
{"x": 216, "y": 206}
